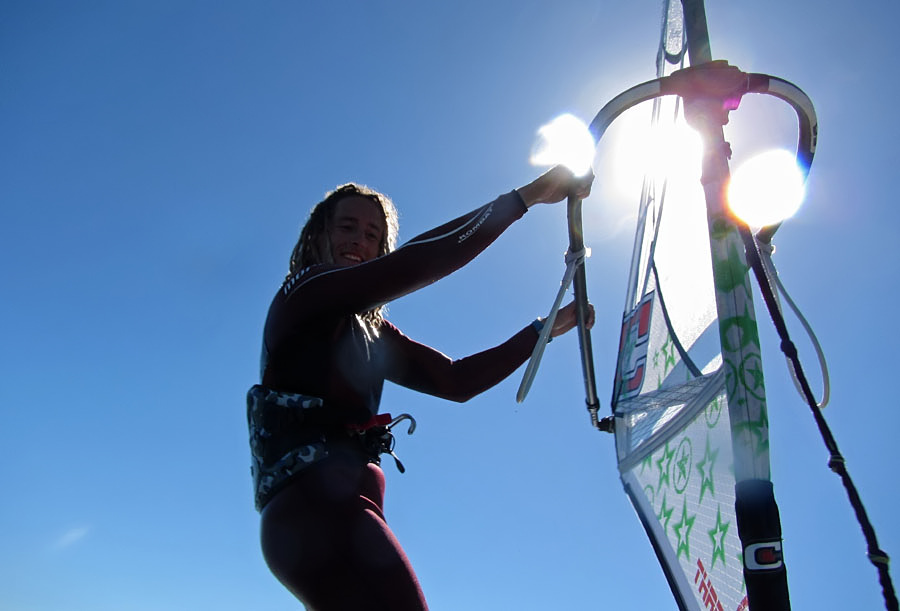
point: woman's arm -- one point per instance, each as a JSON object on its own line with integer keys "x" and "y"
{"x": 337, "y": 291}
{"x": 427, "y": 370}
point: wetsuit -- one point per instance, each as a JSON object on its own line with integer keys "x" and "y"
{"x": 323, "y": 531}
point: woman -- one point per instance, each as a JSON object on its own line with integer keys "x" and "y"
{"x": 315, "y": 431}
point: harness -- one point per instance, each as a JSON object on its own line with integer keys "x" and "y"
{"x": 291, "y": 431}
{"x": 377, "y": 437}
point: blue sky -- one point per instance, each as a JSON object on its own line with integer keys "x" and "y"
{"x": 157, "y": 161}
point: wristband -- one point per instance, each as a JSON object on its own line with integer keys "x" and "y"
{"x": 538, "y": 325}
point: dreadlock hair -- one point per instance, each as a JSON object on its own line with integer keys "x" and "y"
{"x": 314, "y": 245}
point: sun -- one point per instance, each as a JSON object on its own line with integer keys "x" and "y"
{"x": 669, "y": 151}
{"x": 766, "y": 189}
{"x": 567, "y": 141}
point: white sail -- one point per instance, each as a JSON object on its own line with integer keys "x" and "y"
{"x": 670, "y": 402}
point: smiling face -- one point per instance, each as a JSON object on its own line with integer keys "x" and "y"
{"x": 327, "y": 236}
{"x": 356, "y": 230}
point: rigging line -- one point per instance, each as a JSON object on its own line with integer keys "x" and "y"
{"x": 648, "y": 196}
{"x": 836, "y": 462}
{"x": 687, "y": 360}
{"x": 572, "y": 262}
{"x": 631, "y": 298}
{"x": 659, "y": 211}
{"x": 765, "y": 250}
{"x": 657, "y": 222}
{"x": 648, "y": 186}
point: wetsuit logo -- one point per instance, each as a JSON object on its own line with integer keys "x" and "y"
{"x": 478, "y": 224}
{"x": 292, "y": 281}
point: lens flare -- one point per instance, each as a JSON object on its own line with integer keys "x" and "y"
{"x": 566, "y": 140}
{"x": 639, "y": 150}
{"x": 766, "y": 189}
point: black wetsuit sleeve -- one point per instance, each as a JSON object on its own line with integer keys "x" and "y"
{"x": 427, "y": 370}
{"x": 339, "y": 291}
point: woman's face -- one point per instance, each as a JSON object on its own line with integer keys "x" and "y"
{"x": 356, "y": 230}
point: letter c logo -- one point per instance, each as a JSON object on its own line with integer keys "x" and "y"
{"x": 765, "y": 556}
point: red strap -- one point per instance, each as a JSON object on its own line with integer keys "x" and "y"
{"x": 376, "y": 420}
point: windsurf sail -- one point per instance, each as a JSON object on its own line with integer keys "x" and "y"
{"x": 688, "y": 401}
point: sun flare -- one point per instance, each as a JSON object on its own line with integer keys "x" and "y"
{"x": 766, "y": 189}
{"x": 667, "y": 151}
{"x": 567, "y": 141}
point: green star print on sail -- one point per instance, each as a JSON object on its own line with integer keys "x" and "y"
{"x": 717, "y": 535}
{"x": 705, "y": 467}
{"x": 664, "y": 463}
{"x": 683, "y": 532}
{"x": 664, "y": 515}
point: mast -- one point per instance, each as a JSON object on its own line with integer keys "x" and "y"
{"x": 759, "y": 525}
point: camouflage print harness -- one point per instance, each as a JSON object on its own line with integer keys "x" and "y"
{"x": 290, "y": 431}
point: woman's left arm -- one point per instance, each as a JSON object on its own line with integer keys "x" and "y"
{"x": 422, "y": 368}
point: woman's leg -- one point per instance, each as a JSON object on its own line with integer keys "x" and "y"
{"x": 326, "y": 540}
